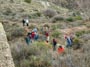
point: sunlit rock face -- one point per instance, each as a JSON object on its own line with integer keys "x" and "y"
{"x": 5, "y": 53}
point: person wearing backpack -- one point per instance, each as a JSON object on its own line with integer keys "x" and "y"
{"x": 28, "y": 39}
{"x": 36, "y": 36}
{"x": 68, "y": 40}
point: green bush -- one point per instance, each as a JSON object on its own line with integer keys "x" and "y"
{"x": 76, "y": 40}
{"x": 18, "y": 32}
{"x": 78, "y": 18}
{"x": 70, "y": 19}
{"x": 57, "y": 18}
{"x": 35, "y": 15}
{"x": 76, "y": 43}
{"x": 25, "y": 63}
{"x": 38, "y": 14}
{"x": 56, "y": 34}
{"x": 80, "y": 33}
{"x": 13, "y": 31}
{"x": 54, "y": 27}
{"x": 27, "y": 1}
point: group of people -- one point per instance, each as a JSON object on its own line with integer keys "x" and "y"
{"x": 69, "y": 42}
{"x": 34, "y": 36}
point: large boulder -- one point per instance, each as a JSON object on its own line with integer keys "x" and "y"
{"x": 5, "y": 53}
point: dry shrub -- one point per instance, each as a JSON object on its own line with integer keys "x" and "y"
{"x": 35, "y": 55}
{"x": 49, "y": 13}
{"x": 57, "y": 18}
{"x": 13, "y": 31}
{"x": 77, "y": 43}
{"x": 18, "y": 33}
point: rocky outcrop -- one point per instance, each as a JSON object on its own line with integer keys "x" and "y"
{"x": 5, "y": 53}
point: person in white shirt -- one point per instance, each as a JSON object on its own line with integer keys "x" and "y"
{"x": 25, "y": 22}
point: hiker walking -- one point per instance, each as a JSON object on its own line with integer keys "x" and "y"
{"x": 36, "y": 36}
{"x": 68, "y": 40}
{"x": 60, "y": 49}
{"x": 47, "y": 36}
{"x": 54, "y": 44}
{"x": 28, "y": 39}
{"x": 25, "y": 22}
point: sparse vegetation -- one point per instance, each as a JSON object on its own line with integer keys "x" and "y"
{"x": 8, "y": 11}
{"x": 80, "y": 33}
{"x": 78, "y": 18}
{"x": 38, "y": 54}
{"x": 54, "y": 27}
{"x": 32, "y": 56}
{"x": 35, "y": 15}
{"x": 70, "y": 19}
{"x": 77, "y": 43}
{"x": 15, "y": 31}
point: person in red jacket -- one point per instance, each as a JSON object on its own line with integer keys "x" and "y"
{"x": 33, "y": 35}
{"x": 60, "y": 49}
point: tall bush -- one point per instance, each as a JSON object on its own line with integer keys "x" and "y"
{"x": 27, "y": 1}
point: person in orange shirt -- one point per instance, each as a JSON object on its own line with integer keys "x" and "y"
{"x": 60, "y": 49}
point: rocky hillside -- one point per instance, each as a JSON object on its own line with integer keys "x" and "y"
{"x": 5, "y": 53}
{"x": 82, "y": 6}
{"x": 17, "y": 9}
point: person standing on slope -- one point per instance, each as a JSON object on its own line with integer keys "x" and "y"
{"x": 68, "y": 40}
{"x": 47, "y": 36}
{"x": 25, "y": 22}
{"x": 28, "y": 39}
{"x": 54, "y": 44}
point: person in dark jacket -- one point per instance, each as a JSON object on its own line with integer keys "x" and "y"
{"x": 23, "y": 21}
{"x": 54, "y": 44}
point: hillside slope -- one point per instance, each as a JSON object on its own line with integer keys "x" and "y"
{"x": 82, "y": 6}
{"x": 17, "y": 9}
